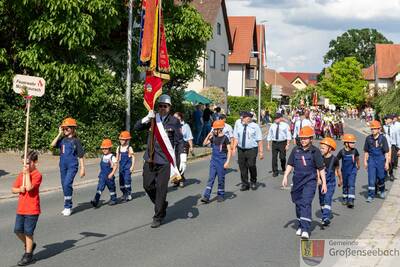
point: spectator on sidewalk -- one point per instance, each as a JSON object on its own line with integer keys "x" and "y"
{"x": 27, "y": 186}
{"x": 198, "y": 124}
{"x": 207, "y": 113}
{"x": 217, "y": 114}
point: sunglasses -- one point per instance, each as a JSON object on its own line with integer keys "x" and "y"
{"x": 66, "y": 128}
{"x": 162, "y": 106}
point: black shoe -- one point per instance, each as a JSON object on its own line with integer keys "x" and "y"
{"x": 275, "y": 174}
{"x": 350, "y": 204}
{"x": 391, "y": 178}
{"x": 26, "y": 259}
{"x": 253, "y": 186}
{"x": 220, "y": 199}
{"x": 326, "y": 222}
{"x": 244, "y": 188}
{"x": 205, "y": 200}
{"x": 175, "y": 185}
{"x": 156, "y": 223}
{"x": 94, "y": 203}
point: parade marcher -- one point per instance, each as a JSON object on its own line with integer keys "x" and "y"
{"x": 157, "y": 170}
{"x": 220, "y": 157}
{"x": 376, "y": 160}
{"x": 187, "y": 147}
{"x": 396, "y": 125}
{"x": 248, "y": 141}
{"x": 228, "y": 130}
{"x": 71, "y": 152}
{"x": 304, "y": 121}
{"x": 126, "y": 159}
{"x": 350, "y": 165}
{"x": 279, "y": 135}
{"x": 307, "y": 162}
{"x": 392, "y": 131}
{"x": 327, "y": 146}
{"x": 108, "y": 167}
{"x": 27, "y": 186}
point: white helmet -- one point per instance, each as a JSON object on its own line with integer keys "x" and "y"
{"x": 165, "y": 99}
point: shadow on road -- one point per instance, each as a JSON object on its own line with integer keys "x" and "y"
{"x": 183, "y": 209}
{"x": 54, "y": 249}
{"x": 294, "y": 224}
{"x": 188, "y": 182}
{"x": 3, "y": 173}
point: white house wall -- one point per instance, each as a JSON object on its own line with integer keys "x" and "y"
{"x": 236, "y": 80}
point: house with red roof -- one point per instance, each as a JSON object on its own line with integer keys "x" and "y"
{"x": 243, "y": 59}
{"x": 385, "y": 72}
{"x": 301, "y": 80}
{"x": 214, "y": 64}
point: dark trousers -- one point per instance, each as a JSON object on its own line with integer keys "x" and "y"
{"x": 278, "y": 148}
{"x": 247, "y": 163}
{"x": 155, "y": 183}
{"x": 393, "y": 160}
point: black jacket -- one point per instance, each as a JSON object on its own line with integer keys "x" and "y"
{"x": 174, "y": 131}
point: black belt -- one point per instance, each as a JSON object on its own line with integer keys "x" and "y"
{"x": 279, "y": 141}
{"x": 245, "y": 149}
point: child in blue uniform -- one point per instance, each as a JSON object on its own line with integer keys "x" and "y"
{"x": 327, "y": 146}
{"x": 220, "y": 157}
{"x": 108, "y": 167}
{"x": 126, "y": 159}
{"x": 307, "y": 162}
{"x": 376, "y": 160}
{"x": 71, "y": 152}
{"x": 350, "y": 165}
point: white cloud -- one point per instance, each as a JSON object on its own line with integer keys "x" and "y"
{"x": 299, "y": 31}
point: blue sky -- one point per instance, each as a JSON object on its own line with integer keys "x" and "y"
{"x": 299, "y": 31}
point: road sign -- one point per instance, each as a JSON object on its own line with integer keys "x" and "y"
{"x": 34, "y": 85}
{"x": 276, "y": 91}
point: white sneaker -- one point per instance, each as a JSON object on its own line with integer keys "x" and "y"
{"x": 66, "y": 212}
{"x": 298, "y": 232}
{"x": 305, "y": 235}
{"x": 129, "y": 198}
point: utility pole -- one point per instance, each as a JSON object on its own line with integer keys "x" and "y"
{"x": 129, "y": 71}
{"x": 260, "y": 57}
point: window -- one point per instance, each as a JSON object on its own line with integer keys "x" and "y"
{"x": 223, "y": 62}
{"x": 212, "y": 59}
{"x": 250, "y": 92}
{"x": 251, "y": 74}
{"x": 219, "y": 28}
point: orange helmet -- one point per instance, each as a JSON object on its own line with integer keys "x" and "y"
{"x": 69, "y": 122}
{"x": 106, "y": 143}
{"x": 351, "y": 138}
{"x": 329, "y": 142}
{"x": 219, "y": 124}
{"x": 125, "y": 135}
{"x": 306, "y": 131}
{"x": 375, "y": 125}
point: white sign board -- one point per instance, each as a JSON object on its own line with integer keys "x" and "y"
{"x": 34, "y": 85}
{"x": 276, "y": 91}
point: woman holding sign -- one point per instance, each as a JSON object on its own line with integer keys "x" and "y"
{"x": 71, "y": 152}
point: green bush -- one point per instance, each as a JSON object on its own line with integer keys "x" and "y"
{"x": 232, "y": 119}
{"x": 241, "y": 103}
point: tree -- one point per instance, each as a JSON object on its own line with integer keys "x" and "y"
{"x": 389, "y": 102}
{"x": 215, "y": 94}
{"x": 358, "y": 43}
{"x": 343, "y": 83}
{"x": 79, "y": 48}
{"x": 304, "y": 94}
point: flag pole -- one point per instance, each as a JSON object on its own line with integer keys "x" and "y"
{"x": 129, "y": 70}
{"x": 28, "y": 108}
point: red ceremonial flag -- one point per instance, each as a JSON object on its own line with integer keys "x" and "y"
{"x": 148, "y": 29}
{"x": 163, "y": 59}
{"x": 152, "y": 90}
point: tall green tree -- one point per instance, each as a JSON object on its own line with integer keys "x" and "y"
{"x": 79, "y": 48}
{"x": 343, "y": 83}
{"x": 358, "y": 43}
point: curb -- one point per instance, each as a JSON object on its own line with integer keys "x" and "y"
{"x": 94, "y": 180}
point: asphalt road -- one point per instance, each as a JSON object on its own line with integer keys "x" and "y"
{"x": 253, "y": 228}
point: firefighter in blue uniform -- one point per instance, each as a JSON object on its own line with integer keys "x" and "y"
{"x": 376, "y": 160}
{"x": 308, "y": 165}
{"x": 108, "y": 167}
{"x": 220, "y": 157}
{"x": 350, "y": 165}
{"x": 71, "y": 156}
{"x": 126, "y": 159}
{"x": 327, "y": 146}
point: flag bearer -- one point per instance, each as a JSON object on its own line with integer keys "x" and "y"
{"x": 350, "y": 165}
{"x": 327, "y": 146}
{"x": 308, "y": 164}
{"x": 221, "y": 154}
{"x": 71, "y": 152}
{"x": 376, "y": 160}
{"x": 108, "y": 167}
{"x": 126, "y": 159}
